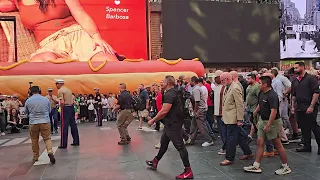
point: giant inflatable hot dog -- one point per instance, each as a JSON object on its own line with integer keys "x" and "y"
{"x": 82, "y": 77}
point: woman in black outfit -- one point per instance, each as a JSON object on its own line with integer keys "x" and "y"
{"x": 83, "y": 109}
{"x": 15, "y": 121}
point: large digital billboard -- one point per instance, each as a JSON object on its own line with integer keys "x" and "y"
{"x": 299, "y": 29}
{"x": 81, "y": 41}
{"x": 220, "y": 32}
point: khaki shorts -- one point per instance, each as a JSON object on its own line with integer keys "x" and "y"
{"x": 275, "y": 129}
{"x": 143, "y": 113}
{"x": 69, "y": 43}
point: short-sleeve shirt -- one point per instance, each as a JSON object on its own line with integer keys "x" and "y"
{"x": 52, "y": 100}
{"x": 303, "y": 90}
{"x": 144, "y": 96}
{"x": 170, "y": 97}
{"x": 252, "y": 92}
{"x": 65, "y": 94}
{"x": 268, "y": 101}
{"x": 198, "y": 96}
{"x": 125, "y": 100}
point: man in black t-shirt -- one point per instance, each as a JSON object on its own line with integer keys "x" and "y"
{"x": 269, "y": 126}
{"x": 172, "y": 130}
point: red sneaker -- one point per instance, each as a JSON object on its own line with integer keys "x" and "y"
{"x": 153, "y": 164}
{"x": 187, "y": 174}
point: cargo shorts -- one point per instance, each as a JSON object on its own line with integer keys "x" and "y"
{"x": 275, "y": 129}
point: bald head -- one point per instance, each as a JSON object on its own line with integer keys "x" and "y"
{"x": 226, "y": 78}
{"x": 234, "y": 75}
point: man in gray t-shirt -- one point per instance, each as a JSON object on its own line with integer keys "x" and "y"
{"x": 200, "y": 109}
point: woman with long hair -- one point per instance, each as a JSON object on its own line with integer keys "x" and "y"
{"x": 63, "y": 30}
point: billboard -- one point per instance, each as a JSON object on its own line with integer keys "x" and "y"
{"x": 219, "y": 32}
{"x": 299, "y": 29}
{"x": 80, "y": 41}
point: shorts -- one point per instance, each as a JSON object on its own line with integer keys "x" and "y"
{"x": 69, "y": 43}
{"x": 143, "y": 113}
{"x": 275, "y": 129}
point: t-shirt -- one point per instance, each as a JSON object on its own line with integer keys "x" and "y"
{"x": 252, "y": 96}
{"x": 144, "y": 96}
{"x": 198, "y": 96}
{"x": 268, "y": 101}
{"x": 170, "y": 97}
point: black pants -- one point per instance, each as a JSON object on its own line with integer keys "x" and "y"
{"x": 91, "y": 115}
{"x": 236, "y": 135}
{"x": 99, "y": 116}
{"x": 308, "y": 123}
{"x": 173, "y": 133}
{"x": 2, "y": 123}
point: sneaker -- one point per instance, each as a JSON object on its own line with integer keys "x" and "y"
{"x": 294, "y": 138}
{"x": 188, "y": 141}
{"x": 206, "y": 144}
{"x": 268, "y": 154}
{"x": 153, "y": 164}
{"x": 285, "y": 142}
{"x": 253, "y": 168}
{"x": 187, "y": 174}
{"x": 122, "y": 142}
{"x": 222, "y": 152}
{"x": 3, "y": 134}
{"x": 157, "y": 146}
{"x": 139, "y": 128}
{"x": 283, "y": 170}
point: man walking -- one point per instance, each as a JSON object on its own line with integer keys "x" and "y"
{"x": 233, "y": 115}
{"x": 125, "y": 116}
{"x": 171, "y": 114}
{"x": 200, "y": 110}
{"x": 305, "y": 94}
{"x": 54, "y": 111}
{"x": 67, "y": 115}
{"x": 38, "y": 109}
{"x": 269, "y": 126}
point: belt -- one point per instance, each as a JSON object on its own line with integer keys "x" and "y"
{"x": 68, "y": 105}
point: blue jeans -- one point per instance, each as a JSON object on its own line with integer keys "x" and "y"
{"x": 269, "y": 146}
{"x": 222, "y": 131}
{"x": 54, "y": 119}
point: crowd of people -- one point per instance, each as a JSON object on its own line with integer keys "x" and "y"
{"x": 278, "y": 108}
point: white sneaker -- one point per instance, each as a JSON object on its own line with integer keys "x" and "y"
{"x": 221, "y": 152}
{"x": 253, "y": 168}
{"x": 187, "y": 141}
{"x": 283, "y": 170}
{"x": 3, "y": 134}
{"x": 157, "y": 146}
{"x": 206, "y": 144}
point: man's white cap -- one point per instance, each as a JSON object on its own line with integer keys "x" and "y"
{"x": 59, "y": 81}
{"x": 218, "y": 73}
{"x": 275, "y": 68}
{"x": 50, "y": 89}
{"x": 95, "y": 88}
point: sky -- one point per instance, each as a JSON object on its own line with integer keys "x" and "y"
{"x": 301, "y": 6}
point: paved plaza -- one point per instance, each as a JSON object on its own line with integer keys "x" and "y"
{"x": 99, "y": 157}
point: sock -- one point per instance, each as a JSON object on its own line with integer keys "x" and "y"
{"x": 256, "y": 164}
{"x": 285, "y": 165}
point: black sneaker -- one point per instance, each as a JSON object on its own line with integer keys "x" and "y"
{"x": 285, "y": 142}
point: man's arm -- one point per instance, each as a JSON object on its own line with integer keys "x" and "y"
{"x": 163, "y": 112}
{"x": 7, "y": 6}
{"x": 197, "y": 99}
{"x": 315, "y": 90}
{"x": 146, "y": 96}
{"x": 256, "y": 110}
{"x": 278, "y": 89}
{"x": 238, "y": 98}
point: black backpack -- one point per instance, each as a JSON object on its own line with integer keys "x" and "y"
{"x": 137, "y": 103}
{"x": 182, "y": 97}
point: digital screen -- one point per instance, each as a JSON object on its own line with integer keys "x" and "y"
{"x": 299, "y": 29}
{"x": 218, "y": 32}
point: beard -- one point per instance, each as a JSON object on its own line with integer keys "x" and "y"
{"x": 298, "y": 72}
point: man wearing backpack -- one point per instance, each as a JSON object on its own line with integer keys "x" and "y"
{"x": 171, "y": 113}
{"x": 143, "y": 105}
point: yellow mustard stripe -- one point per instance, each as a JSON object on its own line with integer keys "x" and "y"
{"x": 170, "y": 62}
{"x": 5, "y": 68}
{"x": 195, "y": 59}
{"x": 97, "y": 68}
{"x": 63, "y": 61}
{"x": 133, "y": 60}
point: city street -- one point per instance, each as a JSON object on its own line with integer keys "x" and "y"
{"x": 99, "y": 157}
{"x": 293, "y": 49}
